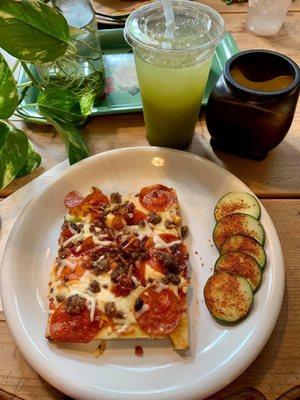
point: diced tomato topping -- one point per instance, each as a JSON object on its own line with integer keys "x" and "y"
{"x": 72, "y": 199}
{"x": 118, "y": 223}
{"x": 149, "y": 243}
{"x": 67, "y": 327}
{"x": 87, "y": 244}
{"x": 164, "y": 313}
{"x": 168, "y": 237}
{"x": 136, "y": 218}
{"x": 157, "y": 264}
{"x": 139, "y": 271}
{"x": 66, "y": 234}
{"x": 156, "y": 197}
{"x": 69, "y": 274}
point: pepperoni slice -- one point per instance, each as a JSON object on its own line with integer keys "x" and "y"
{"x": 66, "y": 327}
{"x": 96, "y": 198}
{"x": 72, "y": 199}
{"x": 136, "y": 218}
{"x": 156, "y": 197}
{"x": 90, "y": 204}
{"x": 164, "y": 312}
{"x": 168, "y": 237}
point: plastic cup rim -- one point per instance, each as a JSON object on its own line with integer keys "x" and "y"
{"x": 132, "y": 41}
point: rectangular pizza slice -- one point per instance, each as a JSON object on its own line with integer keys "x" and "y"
{"x": 122, "y": 269}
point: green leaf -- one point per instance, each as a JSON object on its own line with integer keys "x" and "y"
{"x": 13, "y": 152}
{"x": 75, "y": 145}
{"x": 8, "y": 90}
{"x": 86, "y": 103}
{"x": 60, "y": 104}
{"x": 32, "y": 162}
{"x": 32, "y": 31}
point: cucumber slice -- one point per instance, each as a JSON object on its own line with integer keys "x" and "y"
{"x": 245, "y": 244}
{"x": 233, "y": 224}
{"x": 237, "y": 202}
{"x": 228, "y": 297}
{"x": 241, "y": 264}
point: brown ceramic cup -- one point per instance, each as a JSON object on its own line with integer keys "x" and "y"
{"x": 251, "y": 122}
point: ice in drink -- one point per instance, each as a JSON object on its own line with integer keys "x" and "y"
{"x": 172, "y": 73}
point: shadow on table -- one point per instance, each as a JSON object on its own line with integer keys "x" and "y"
{"x": 277, "y": 174}
{"x": 287, "y": 38}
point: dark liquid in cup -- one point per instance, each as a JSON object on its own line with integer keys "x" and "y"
{"x": 243, "y": 77}
{"x": 251, "y": 108}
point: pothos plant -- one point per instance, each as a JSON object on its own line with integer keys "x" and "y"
{"x": 36, "y": 33}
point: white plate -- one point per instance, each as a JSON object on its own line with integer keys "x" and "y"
{"x": 218, "y": 353}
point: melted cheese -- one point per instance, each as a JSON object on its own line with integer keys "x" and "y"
{"x": 84, "y": 234}
{"x": 123, "y": 304}
{"x": 152, "y": 273}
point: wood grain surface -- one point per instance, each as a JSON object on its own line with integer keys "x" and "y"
{"x": 276, "y": 176}
{"x": 276, "y": 180}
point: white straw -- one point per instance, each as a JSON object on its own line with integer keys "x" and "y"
{"x": 169, "y": 16}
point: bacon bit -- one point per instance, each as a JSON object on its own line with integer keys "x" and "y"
{"x": 124, "y": 287}
{"x": 149, "y": 243}
{"x": 87, "y": 244}
{"x": 139, "y": 351}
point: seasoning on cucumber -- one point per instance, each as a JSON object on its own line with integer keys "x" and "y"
{"x": 237, "y": 202}
{"x": 245, "y": 244}
{"x": 238, "y": 223}
{"x": 228, "y": 297}
{"x": 241, "y": 264}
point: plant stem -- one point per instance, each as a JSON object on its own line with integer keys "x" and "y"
{"x": 15, "y": 66}
{"x": 24, "y": 84}
{"x": 30, "y": 75}
{"x": 28, "y": 105}
{"x": 7, "y": 121}
{"x": 23, "y": 93}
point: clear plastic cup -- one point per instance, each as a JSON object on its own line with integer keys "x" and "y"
{"x": 173, "y": 72}
{"x": 265, "y": 17}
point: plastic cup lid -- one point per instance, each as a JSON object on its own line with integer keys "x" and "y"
{"x": 197, "y": 27}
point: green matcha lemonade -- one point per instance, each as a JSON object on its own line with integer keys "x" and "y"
{"x": 173, "y": 66}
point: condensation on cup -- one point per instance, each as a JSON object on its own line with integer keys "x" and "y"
{"x": 266, "y": 17}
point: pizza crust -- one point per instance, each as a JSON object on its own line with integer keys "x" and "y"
{"x": 179, "y": 337}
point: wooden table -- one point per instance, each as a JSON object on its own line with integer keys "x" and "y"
{"x": 275, "y": 180}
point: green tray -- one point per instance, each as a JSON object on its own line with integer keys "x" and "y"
{"x": 122, "y": 89}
